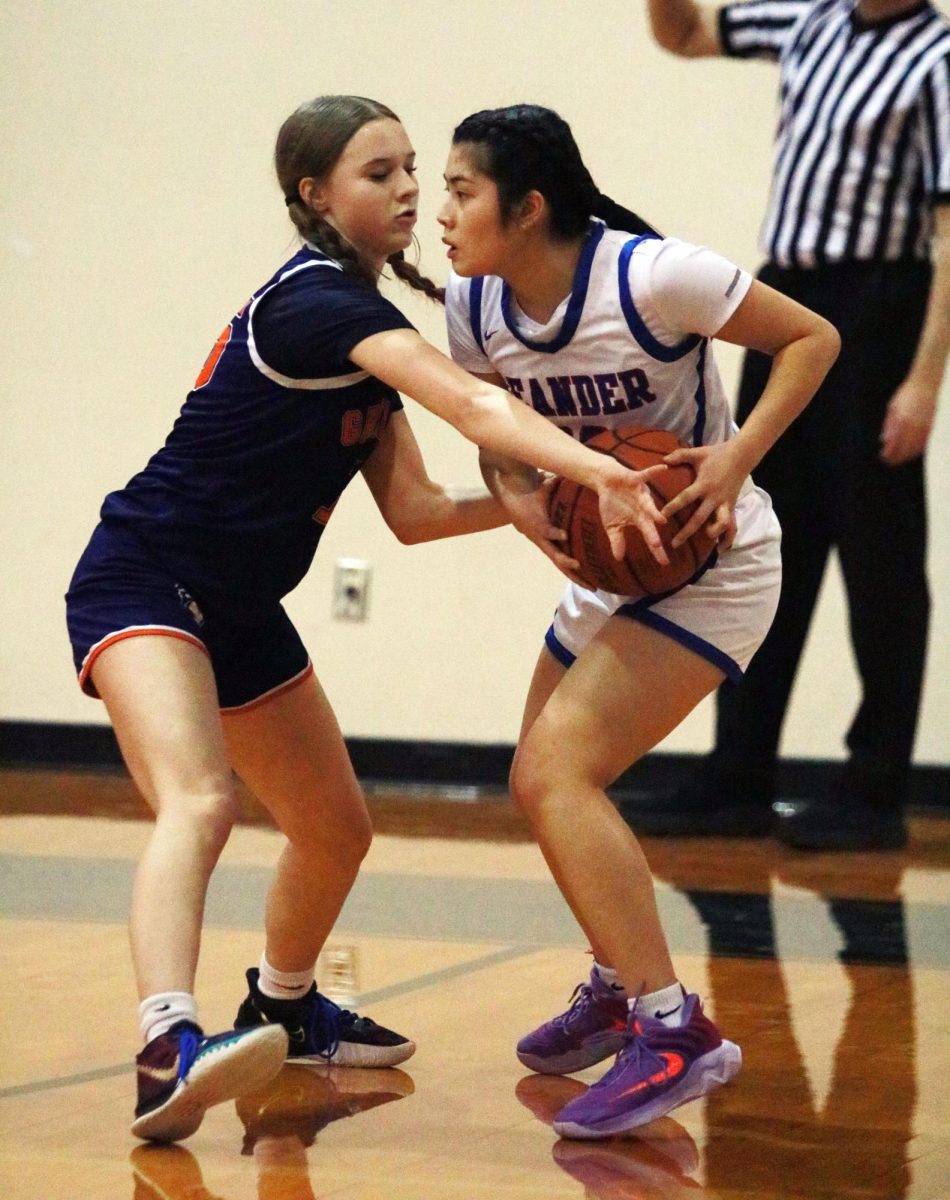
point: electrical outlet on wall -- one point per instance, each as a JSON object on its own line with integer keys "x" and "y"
{"x": 351, "y": 589}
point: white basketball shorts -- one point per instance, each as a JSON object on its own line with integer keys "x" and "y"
{"x": 723, "y": 615}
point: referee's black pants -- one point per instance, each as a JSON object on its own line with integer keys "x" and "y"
{"x": 830, "y": 489}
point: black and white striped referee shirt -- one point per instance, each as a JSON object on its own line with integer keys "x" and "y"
{"x": 863, "y": 141}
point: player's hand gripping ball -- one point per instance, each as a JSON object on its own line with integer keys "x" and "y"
{"x": 574, "y": 508}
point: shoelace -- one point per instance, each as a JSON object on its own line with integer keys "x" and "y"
{"x": 581, "y": 996}
{"x": 634, "y": 1049}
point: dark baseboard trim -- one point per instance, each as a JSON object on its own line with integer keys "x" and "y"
{"x": 423, "y": 765}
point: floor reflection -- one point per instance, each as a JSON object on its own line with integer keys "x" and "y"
{"x": 769, "y": 1130}
{"x": 655, "y": 1165}
{"x": 281, "y": 1122}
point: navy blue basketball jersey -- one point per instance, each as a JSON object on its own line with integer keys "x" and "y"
{"x": 277, "y": 424}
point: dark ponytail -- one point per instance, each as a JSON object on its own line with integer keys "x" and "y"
{"x": 615, "y": 216}
{"x": 524, "y": 148}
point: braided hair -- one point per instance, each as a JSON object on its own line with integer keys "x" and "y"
{"x": 524, "y": 148}
{"x": 309, "y": 145}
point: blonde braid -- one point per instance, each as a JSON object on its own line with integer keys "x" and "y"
{"x": 411, "y": 275}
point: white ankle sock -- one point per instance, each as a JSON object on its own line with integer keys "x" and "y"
{"x": 284, "y": 985}
{"x": 158, "y": 1013}
{"x": 609, "y": 976}
{"x": 665, "y": 1005}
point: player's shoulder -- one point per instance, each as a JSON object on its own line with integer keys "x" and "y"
{"x": 649, "y": 250}
{"x": 457, "y": 288}
{"x": 468, "y": 291}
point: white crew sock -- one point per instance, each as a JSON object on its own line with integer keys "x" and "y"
{"x": 665, "y": 1005}
{"x": 609, "y": 976}
{"x": 284, "y": 985}
{"x": 158, "y": 1013}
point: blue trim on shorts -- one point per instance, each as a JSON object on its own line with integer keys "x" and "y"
{"x": 561, "y": 653}
{"x": 698, "y": 645}
{"x": 656, "y": 597}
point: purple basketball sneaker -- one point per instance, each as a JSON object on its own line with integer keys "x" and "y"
{"x": 659, "y": 1068}
{"x": 593, "y": 1028}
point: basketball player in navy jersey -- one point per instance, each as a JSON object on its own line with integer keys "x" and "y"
{"x": 595, "y": 329}
{"x": 175, "y": 613}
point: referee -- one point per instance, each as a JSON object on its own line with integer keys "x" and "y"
{"x": 858, "y": 229}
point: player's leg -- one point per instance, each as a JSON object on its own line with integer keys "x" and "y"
{"x": 629, "y": 687}
{"x": 290, "y": 752}
{"x": 160, "y": 695}
{"x": 594, "y": 1025}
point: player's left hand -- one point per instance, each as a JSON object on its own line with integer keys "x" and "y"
{"x": 907, "y": 423}
{"x": 529, "y": 515}
{"x": 719, "y": 478}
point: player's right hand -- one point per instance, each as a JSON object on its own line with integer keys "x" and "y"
{"x": 624, "y": 500}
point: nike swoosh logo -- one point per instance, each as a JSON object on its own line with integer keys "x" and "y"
{"x": 489, "y": 336}
{"x": 674, "y": 1066}
{"x": 662, "y": 1016}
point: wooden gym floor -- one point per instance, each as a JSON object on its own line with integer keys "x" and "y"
{"x": 831, "y": 971}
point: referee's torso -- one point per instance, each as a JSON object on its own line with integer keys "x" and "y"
{"x": 863, "y": 142}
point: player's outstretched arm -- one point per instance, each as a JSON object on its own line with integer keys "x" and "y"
{"x": 415, "y": 507}
{"x": 685, "y": 28}
{"x": 496, "y": 420}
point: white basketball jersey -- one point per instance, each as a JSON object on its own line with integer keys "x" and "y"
{"x": 629, "y": 346}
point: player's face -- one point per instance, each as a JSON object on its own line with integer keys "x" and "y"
{"x": 370, "y": 196}
{"x": 470, "y": 217}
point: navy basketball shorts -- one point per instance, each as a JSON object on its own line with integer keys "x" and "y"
{"x": 119, "y": 590}
{"x": 723, "y": 616}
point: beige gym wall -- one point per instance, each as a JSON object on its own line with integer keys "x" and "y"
{"x": 139, "y": 211}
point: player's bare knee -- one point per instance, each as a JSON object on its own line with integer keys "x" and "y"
{"x": 203, "y": 817}
{"x": 531, "y": 776}
{"x": 347, "y": 834}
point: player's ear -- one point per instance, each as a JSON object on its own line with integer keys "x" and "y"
{"x": 312, "y": 194}
{"x": 531, "y": 210}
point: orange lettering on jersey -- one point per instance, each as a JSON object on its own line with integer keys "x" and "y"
{"x": 323, "y": 514}
{"x": 375, "y": 416}
{"x": 212, "y": 360}
{"x": 360, "y": 427}
{"x": 352, "y": 427}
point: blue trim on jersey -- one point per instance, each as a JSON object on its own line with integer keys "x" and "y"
{"x": 561, "y": 653}
{"x": 699, "y": 428}
{"x": 635, "y": 322}
{"x": 475, "y": 310}
{"x": 698, "y": 645}
{"x": 575, "y": 306}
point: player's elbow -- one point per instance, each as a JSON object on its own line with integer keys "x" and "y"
{"x": 408, "y": 525}
{"x": 828, "y": 342}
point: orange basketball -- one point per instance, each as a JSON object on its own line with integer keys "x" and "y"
{"x": 574, "y": 508}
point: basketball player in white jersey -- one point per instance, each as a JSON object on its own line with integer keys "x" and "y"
{"x": 594, "y": 328}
